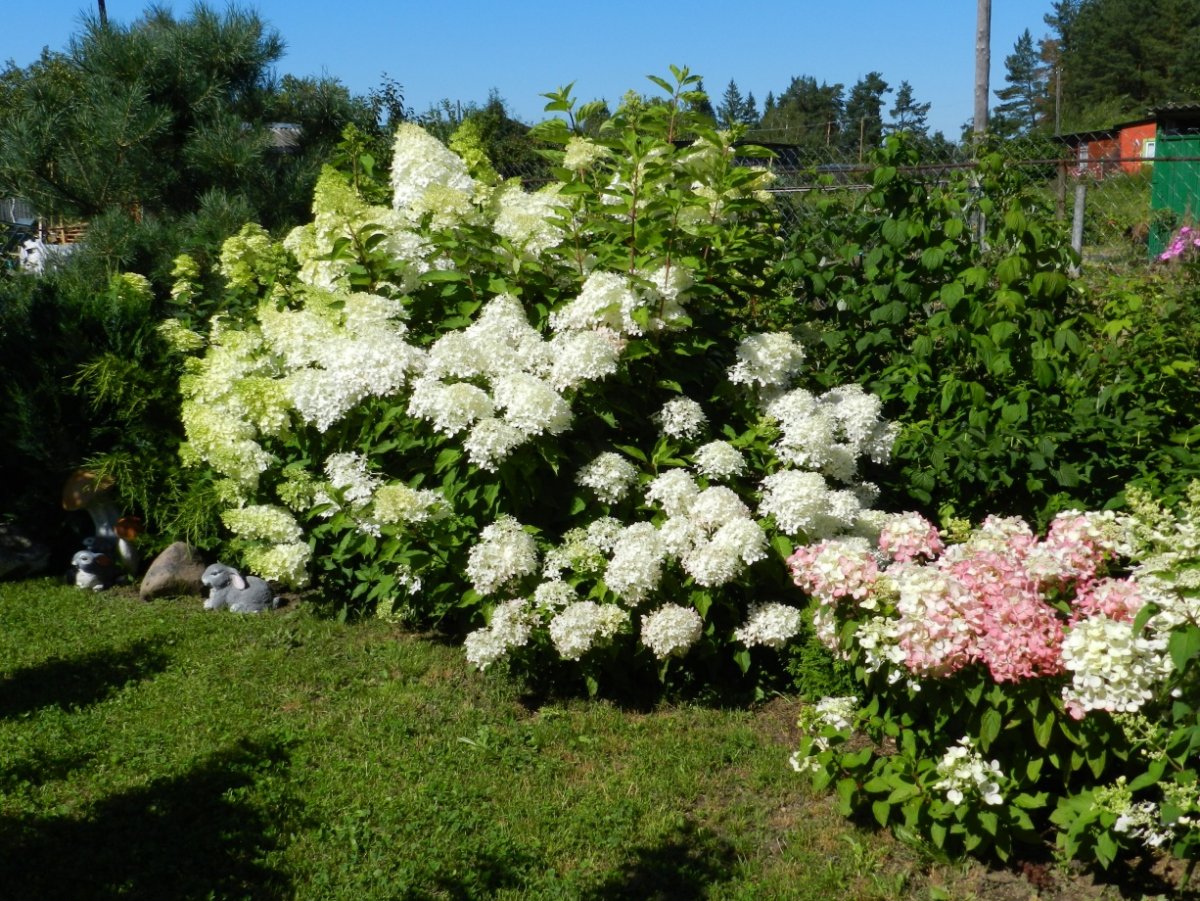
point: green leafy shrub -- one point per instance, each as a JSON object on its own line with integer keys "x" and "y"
{"x": 1020, "y": 391}
{"x": 556, "y": 418}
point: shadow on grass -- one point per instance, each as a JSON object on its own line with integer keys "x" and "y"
{"x": 80, "y": 681}
{"x": 192, "y": 836}
{"x": 38, "y": 769}
{"x": 685, "y": 864}
{"x": 489, "y": 873}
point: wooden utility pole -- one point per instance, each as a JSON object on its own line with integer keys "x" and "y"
{"x": 983, "y": 64}
{"x": 103, "y": 13}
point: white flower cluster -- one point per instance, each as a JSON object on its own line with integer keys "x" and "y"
{"x": 608, "y": 301}
{"x": 221, "y": 393}
{"x": 715, "y": 538}
{"x": 285, "y": 563}
{"x": 964, "y": 772}
{"x": 511, "y": 627}
{"x": 262, "y": 522}
{"x": 609, "y": 475}
{"x": 767, "y": 360}
{"x": 674, "y": 490}
{"x": 339, "y": 215}
{"x": 681, "y": 417}
{"x": 348, "y": 473}
{"x": 709, "y": 532}
{"x": 773, "y": 625}
{"x": 803, "y": 504}
{"x": 527, "y": 219}
{"x": 831, "y": 432}
{"x": 1143, "y": 821}
{"x": 719, "y": 460}
{"x": 583, "y": 154}
{"x": 523, "y": 373}
{"x": 583, "y": 550}
{"x": 276, "y": 550}
{"x": 638, "y": 556}
{"x": 397, "y": 503}
{"x": 420, "y": 162}
{"x": 339, "y": 350}
{"x": 1112, "y": 667}
{"x": 580, "y": 626}
{"x": 553, "y": 595}
{"x": 671, "y": 630}
{"x": 504, "y": 552}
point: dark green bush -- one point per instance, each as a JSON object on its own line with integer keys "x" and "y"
{"x": 1019, "y": 391}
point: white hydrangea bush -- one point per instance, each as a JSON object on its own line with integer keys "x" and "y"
{"x": 551, "y": 419}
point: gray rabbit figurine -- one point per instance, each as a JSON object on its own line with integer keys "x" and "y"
{"x": 241, "y": 594}
{"x": 94, "y": 569}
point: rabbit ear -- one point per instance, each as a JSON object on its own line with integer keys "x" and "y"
{"x": 236, "y": 580}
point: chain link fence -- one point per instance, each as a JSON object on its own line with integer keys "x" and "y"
{"x": 1104, "y": 204}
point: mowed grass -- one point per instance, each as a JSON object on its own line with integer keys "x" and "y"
{"x": 162, "y": 751}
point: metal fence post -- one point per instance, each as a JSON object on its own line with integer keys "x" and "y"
{"x": 1077, "y": 221}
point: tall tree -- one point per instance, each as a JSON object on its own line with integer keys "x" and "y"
{"x": 907, "y": 114}
{"x": 806, "y": 114}
{"x": 1120, "y": 57}
{"x": 734, "y": 109}
{"x": 1025, "y": 100}
{"x": 863, "y": 114}
{"x": 153, "y": 116}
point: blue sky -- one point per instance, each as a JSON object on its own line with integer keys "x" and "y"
{"x": 461, "y": 49}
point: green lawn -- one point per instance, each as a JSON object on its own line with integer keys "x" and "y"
{"x": 161, "y": 751}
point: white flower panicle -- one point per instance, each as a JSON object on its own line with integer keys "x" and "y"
{"x": 420, "y": 162}
{"x": 830, "y": 713}
{"x": 772, "y": 625}
{"x": 348, "y": 473}
{"x": 670, "y": 630}
{"x": 286, "y": 563}
{"x": 505, "y": 552}
{"x": 583, "y": 154}
{"x": 767, "y": 360}
{"x": 832, "y": 432}
{"x": 802, "y": 504}
{"x": 531, "y": 405}
{"x": 526, "y": 219}
{"x": 637, "y": 562}
{"x": 583, "y": 356}
{"x": 1112, "y": 667}
{"x": 490, "y": 441}
{"x": 263, "y": 522}
{"x": 583, "y": 625}
{"x": 610, "y": 476}
{"x": 720, "y": 460}
{"x": 449, "y": 408}
{"x": 681, "y": 417}
{"x": 553, "y": 595}
{"x": 397, "y": 503}
{"x": 606, "y": 300}
{"x": 511, "y": 627}
{"x": 675, "y": 491}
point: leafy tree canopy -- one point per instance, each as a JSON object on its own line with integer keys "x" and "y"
{"x": 152, "y": 116}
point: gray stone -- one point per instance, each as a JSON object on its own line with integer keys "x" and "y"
{"x": 175, "y": 572}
